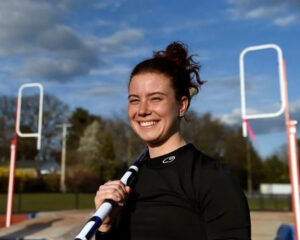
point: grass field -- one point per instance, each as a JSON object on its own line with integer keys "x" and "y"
{"x": 269, "y": 205}
{"x": 37, "y": 202}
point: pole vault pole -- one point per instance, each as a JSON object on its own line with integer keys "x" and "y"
{"x": 13, "y": 146}
{"x": 292, "y": 149}
{"x": 290, "y": 124}
{"x": 12, "y": 165}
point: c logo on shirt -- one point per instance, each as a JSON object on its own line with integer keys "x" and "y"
{"x": 169, "y": 159}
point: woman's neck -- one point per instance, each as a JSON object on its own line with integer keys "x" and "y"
{"x": 173, "y": 143}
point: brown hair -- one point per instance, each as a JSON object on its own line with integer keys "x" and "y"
{"x": 175, "y": 63}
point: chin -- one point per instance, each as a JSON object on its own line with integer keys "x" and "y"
{"x": 150, "y": 140}
{"x": 154, "y": 142}
{"x": 148, "y": 135}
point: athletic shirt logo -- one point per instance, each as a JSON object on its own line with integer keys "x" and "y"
{"x": 169, "y": 159}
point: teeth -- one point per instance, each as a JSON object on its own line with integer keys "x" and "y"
{"x": 146, "y": 124}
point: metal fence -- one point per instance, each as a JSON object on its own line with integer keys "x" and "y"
{"x": 269, "y": 202}
{"x": 37, "y": 202}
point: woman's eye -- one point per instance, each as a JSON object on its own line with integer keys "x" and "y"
{"x": 133, "y": 101}
{"x": 156, "y": 99}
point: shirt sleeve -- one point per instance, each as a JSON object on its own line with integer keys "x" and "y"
{"x": 224, "y": 206}
{"x": 120, "y": 228}
{"x": 110, "y": 235}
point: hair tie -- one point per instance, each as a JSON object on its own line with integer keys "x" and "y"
{"x": 193, "y": 91}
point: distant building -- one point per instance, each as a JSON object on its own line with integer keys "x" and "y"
{"x": 36, "y": 167}
{"x": 275, "y": 188}
{"x": 48, "y": 167}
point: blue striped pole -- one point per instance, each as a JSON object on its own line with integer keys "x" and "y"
{"x": 105, "y": 208}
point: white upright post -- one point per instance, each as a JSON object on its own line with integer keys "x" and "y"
{"x": 290, "y": 124}
{"x": 38, "y": 134}
{"x": 13, "y": 147}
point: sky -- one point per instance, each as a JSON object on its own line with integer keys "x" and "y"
{"x": 83, "y": 51}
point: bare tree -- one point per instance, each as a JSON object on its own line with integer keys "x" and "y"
{"x": 54, "y": 112}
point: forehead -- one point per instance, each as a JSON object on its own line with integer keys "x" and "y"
{"x": 150, "y": 82}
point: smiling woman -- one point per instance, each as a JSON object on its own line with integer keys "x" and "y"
{"x": 180, "y": 193}
{"x": 154, "y": 112}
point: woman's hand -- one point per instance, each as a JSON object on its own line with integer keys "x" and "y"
{"x": 116, "y": 191}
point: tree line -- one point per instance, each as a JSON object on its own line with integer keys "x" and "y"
{"x": 99, "y": 149}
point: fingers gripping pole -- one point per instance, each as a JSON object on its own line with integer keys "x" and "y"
{"x": 38, "y": 134}
{"x": 104, "y": 210}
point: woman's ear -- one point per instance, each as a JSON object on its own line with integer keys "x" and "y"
{"x": 183, "y": 104}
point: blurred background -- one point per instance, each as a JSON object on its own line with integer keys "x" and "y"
{"x": 83, "y": 52}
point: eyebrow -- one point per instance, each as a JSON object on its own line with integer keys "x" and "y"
{"x": 148, "y": 95}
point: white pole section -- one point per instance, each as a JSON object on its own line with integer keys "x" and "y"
{"x": 13, "y": 150}
{"x": 38, "y": 135}
{"x": 242, "y": 80}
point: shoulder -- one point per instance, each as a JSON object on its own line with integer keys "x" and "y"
{"x": 203, "y": 164}
{"x": 212, "y": 177}
{"x": 218, "y": 196}
{"x": 207, "y": 174}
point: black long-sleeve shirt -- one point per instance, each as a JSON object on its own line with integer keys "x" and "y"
{"x": 183, "y": 195}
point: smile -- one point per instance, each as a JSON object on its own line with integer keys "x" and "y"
{"x": 148, "y": 123}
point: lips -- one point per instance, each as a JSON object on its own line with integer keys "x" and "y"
{"x": 147, "y": 123}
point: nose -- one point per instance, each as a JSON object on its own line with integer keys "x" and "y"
{"x": 144, "y": 109}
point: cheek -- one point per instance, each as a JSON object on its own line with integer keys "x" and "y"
{"x": 130, "y": 112}
{"x": 169, "y": 109}
{"x": 168, "y": 114}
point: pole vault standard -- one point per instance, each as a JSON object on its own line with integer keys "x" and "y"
{"x": 13, "y": 146}
{"x": 290, "y": 124}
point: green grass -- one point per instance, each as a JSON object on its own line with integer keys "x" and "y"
{"x": 270, "y": 205}
{"x": 37, "y": 202}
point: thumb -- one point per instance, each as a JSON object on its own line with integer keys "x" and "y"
{"x": 128, "y": 189}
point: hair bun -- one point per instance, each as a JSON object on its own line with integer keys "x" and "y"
{"x": 176, "y": 52}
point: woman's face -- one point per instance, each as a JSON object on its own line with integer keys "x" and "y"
{"x": 153, "y": 110}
